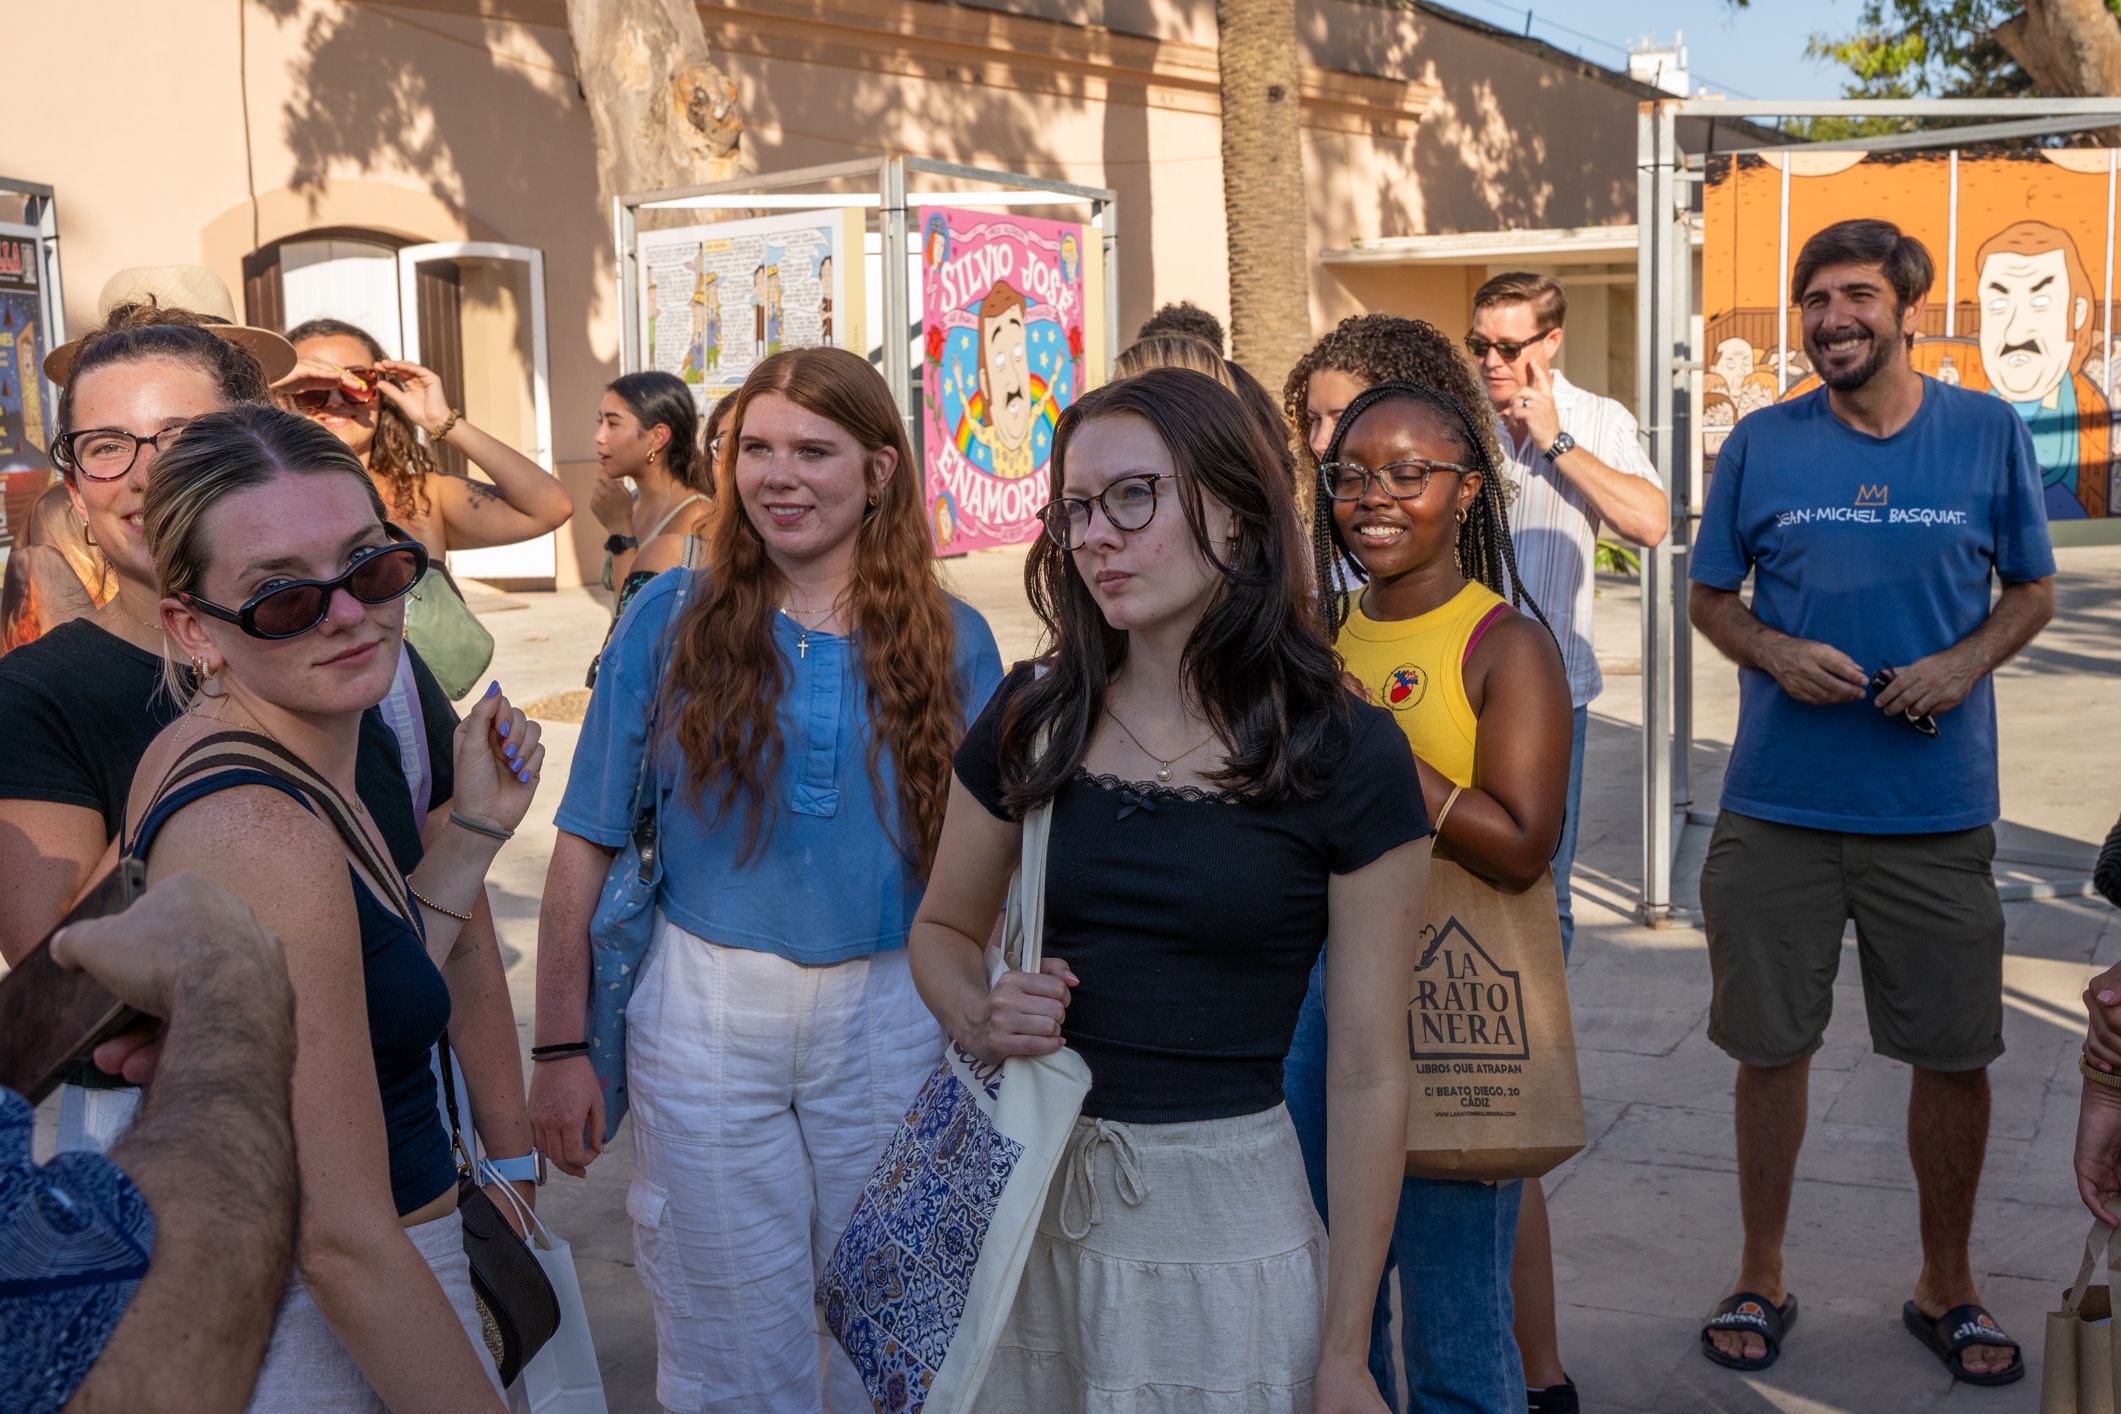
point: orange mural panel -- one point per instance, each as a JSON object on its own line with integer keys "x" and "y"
{"x": 2021, "y": 308}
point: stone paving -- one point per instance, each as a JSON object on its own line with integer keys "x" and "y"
{"x": 1645, "y": 1217}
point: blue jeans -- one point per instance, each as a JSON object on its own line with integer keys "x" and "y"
{"x": 1565, "y": 847}
{"x": 1451, "y": 1244}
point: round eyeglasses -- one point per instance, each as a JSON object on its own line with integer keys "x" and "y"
{"x": 294, "y": 607}
{"x": 1402, "y": 480}
{"x": 1128, "y": 503}
{"x": 107, "y": 453}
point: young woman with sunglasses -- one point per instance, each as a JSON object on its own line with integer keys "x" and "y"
{"x": 84, "y": 702}
{"x": 377, "y": 406}
{"x": 648, "y": 432}
{"x": 1220, "y": 806}
{"x": 1410, "y": 508}
{"x": 806, "y": 700}
{"x": 283, "y": 588}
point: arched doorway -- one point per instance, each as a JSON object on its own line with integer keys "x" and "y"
{"x": 473, "y": 311}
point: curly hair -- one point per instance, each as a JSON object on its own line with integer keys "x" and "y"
{"x": 132, "y": 332}
{"x": 1257, "y": 662}
{"x": 397, "y": 455}
{"x": 726, "y": 674}
{"x": 1382, "y": 350}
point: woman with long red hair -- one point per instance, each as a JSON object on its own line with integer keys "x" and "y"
{"x": 807, "y": 697}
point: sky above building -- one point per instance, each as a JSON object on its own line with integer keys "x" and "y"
{"x": 1756, "y": 52}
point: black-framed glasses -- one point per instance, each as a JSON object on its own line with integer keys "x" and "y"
{"x": 1508, "y": 348}
{"x": 1402, "y": 480}
{"x": 1128, "y": 503}
{"x": 106, "y": 453}
{"x": 289, "y": 610}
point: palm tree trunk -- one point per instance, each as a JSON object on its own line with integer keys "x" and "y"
{"x": 1263, "y": 195}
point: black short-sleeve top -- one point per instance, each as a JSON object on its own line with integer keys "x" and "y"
{"x": 1193, "y": 917}
{"x": 81, "y": 706}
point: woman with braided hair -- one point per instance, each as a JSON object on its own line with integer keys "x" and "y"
{"x": 1411, "y": 518}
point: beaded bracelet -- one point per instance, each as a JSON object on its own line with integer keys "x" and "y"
{"x": 418, "y": 897}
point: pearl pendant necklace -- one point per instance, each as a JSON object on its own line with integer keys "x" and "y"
{"x": 1163, "y": 767}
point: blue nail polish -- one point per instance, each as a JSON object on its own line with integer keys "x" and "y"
{"x": 504, "y": 729}
{"x": 524, "y": 775}
{"x": 493, "y": 687}
{"x": 510, "y": 750}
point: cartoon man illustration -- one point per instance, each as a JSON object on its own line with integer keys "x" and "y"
{"x": 1733, "y": 362}
{"x": 1005, "y": 383}
{"x": 2036, "y": 329}
{"x": 824, "y": 300}
{"x": 706, "y": 314}
{"x": 773, "y": 308}
{"x": 758, "y": 306}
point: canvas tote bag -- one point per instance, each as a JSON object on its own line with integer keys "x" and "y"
{"x": 2077, "y": 1373}
{"x": 1495, "y": 1093}
{"x": 921, "y": 1283}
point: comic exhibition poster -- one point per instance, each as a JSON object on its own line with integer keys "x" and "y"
{"x": 717, "y": 299}
{"x": 1003, "y": 311}
{"x": 2022, "y": 307}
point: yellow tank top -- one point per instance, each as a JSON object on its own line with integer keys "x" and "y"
{"x": 1416, "y": 669}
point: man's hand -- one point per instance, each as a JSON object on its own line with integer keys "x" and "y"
{"x": 2098, "y": 1159}
{"x": 1813, "y": 672}
{"x": 1535, "y": 407}
{"x": 1929, "y": 686}
{"x": 181, "y": 933}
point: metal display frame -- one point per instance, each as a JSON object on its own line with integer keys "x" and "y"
{"x": 893, "y": 199}
{"x": 40, "y": 227}
{"x": 1668, "y": 355}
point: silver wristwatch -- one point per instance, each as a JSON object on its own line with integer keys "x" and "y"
{"x": 1563, "y": 445}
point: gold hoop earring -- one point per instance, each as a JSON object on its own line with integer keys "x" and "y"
{"x": 87, "y": 534}
{"x": 872, "y": 500}
{"x": 1461, "y": 515}
{"x": 651, "y": 456}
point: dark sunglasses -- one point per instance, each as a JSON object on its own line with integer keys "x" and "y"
{"x": 317, "y": 399}
{"x": 292, "y": 609}
{"x": 1508, "y": 348}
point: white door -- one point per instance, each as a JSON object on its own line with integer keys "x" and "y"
{"x": 500, "y": 331}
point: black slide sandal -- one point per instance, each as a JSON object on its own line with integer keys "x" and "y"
{"x": 1749, "y": 1311}
{"x": 1968, "y": 1325}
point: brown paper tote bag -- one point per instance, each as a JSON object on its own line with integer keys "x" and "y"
{"x": 1494, "y": 1094}
{"x": 2077, "y": 1375}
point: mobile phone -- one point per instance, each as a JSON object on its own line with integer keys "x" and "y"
{"x": 1882, "y": 679}
{"x": 51, "y": 1016}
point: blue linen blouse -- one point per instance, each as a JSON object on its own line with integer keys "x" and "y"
{"x": 829, "y": 883}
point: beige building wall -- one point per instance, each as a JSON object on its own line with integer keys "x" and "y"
{"x": 234, "y": 127}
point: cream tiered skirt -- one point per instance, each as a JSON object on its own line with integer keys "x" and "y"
{"x": 1178, "y": 1269}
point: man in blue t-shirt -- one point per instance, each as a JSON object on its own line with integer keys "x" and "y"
{"x": 1874, "y": 515}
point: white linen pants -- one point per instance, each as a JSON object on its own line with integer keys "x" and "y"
{"x": 763, "y": 1092}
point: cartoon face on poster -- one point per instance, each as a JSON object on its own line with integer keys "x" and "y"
{"x": 2018, "y": 307}
{"x": 1002, "y": 307}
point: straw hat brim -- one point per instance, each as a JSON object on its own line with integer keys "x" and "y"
{"x": 275, "y": 356}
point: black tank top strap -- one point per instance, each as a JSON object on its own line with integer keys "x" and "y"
{"x": 233, "y": 758}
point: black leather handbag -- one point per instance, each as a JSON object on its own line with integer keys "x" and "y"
{"x": 517, "y": 1306}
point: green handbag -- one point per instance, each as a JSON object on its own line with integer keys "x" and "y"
{"x": 455, "y": 645}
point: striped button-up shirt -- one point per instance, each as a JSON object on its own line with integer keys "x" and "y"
{"x": 1553, "y": 529}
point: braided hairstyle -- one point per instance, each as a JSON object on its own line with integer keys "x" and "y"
{"x": 1483, "y": 549}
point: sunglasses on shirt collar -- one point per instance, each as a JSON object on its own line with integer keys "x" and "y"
{"x": 292, "y": 608}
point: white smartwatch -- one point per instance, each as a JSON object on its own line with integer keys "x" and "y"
{"x": 530, "y": 1168}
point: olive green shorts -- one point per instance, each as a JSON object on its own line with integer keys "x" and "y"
{"x": 1929, "y": 937}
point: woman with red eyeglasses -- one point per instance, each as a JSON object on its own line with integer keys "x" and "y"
{"x": 283, "y": 589}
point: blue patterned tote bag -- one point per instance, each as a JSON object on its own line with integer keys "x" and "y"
{"x": 624, "y": 923}
{"x": 922, "y": 1281}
